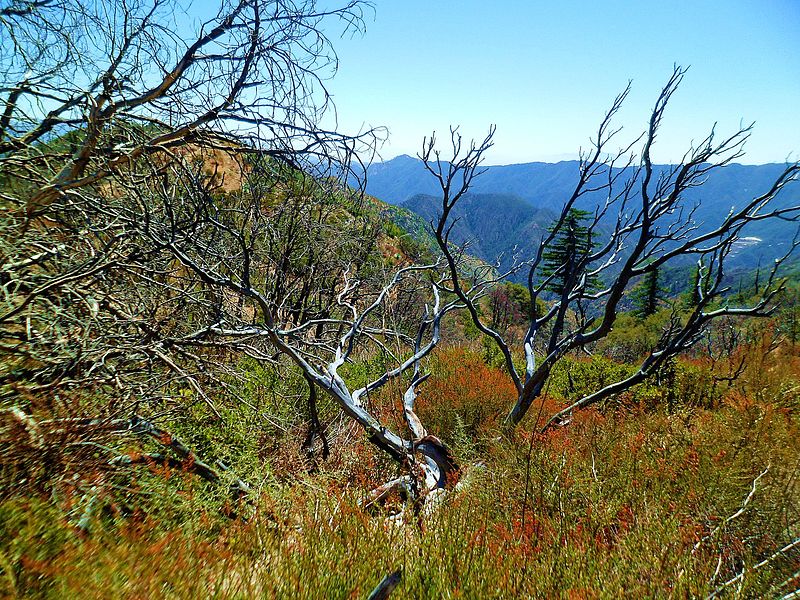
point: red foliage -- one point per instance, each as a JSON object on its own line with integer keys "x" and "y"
{"x": 582, "y": 594}
{"x": 463, "y": 384}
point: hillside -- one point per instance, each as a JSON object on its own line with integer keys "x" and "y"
{"x": 226, "y": 372}
{"x": 496, "y": 226}
{"x": 511, "y": 203}
{"x": 540, "y": 184}
{"x": 547, "y": 185}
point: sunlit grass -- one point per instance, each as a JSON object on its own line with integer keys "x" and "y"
{"x": 636, "y": 500}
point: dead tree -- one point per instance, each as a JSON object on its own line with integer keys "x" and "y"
{"x": 101, "y": 98}
{"x": 109, "y": 115}
{"x": 643, "y": 224}
{"x": 167, "y": 202}
{"x": 222, "y": 245}
{"x": 115, "y": 82}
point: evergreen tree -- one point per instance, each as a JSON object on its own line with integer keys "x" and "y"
{"x": 647, "y": 295}
{"x": 691, "y": 296}
{"x": 571, "y": 244}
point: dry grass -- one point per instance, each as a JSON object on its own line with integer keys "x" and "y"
{"x": 638, "y": 501}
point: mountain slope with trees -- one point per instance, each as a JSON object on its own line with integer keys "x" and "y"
{"x": 544, "y": 187}
{"x": 491, "y": 223}
{"x": 544, "y": 184}
{"x": 226, "y": 373}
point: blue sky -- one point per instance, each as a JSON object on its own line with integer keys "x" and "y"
{"x": 544, "y": 73}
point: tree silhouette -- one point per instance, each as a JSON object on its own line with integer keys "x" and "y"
{"x": 648, "y": 225}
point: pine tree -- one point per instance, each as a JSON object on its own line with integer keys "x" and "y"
{"x": 571, "y": 244}
{"x": 690, "y": 296}
{"x": 647, "y": 295}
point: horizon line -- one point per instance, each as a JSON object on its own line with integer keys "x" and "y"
{"x": 576, "y": 159}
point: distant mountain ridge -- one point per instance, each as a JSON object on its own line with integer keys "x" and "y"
{"x": 510, "y": 206}
{"x": 545, "y": 184}
{"x": 497, "y": 226}
{"x": 541, "y": 184}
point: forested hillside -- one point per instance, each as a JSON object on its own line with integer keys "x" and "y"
{"x": 544, "y": 185}
{"x": 227, "y": 371}
{"x": 525, "y": 198}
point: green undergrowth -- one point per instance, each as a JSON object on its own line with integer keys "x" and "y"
{"x": 613, "y": 506}
{"x": 670, "y": 491}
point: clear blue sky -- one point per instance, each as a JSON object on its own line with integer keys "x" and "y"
{"x": 545, "y": 71}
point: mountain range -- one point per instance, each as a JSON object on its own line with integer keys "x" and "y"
{"x": 509, "y": 207}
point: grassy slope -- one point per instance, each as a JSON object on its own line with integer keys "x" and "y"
{"x": 635, "y": 501}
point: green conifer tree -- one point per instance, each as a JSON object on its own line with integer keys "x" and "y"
{"x": 691, "y": 297}
{"x": 571, "y": 244}
{"x": 647, "y": 295}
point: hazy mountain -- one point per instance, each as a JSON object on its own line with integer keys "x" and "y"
{"x": 541, "y": 184}
{"x": 510, "y": 206}
{"x": 495, "y": 225}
